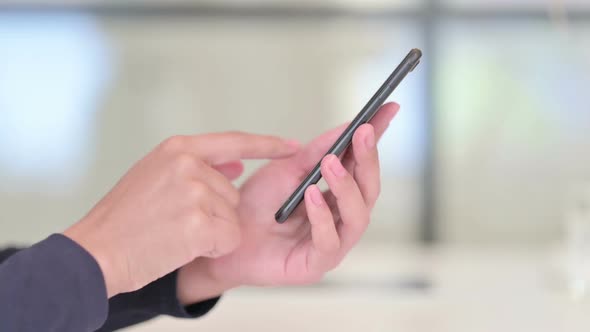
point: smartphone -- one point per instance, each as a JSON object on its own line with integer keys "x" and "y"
{"x": 407, "y": 65}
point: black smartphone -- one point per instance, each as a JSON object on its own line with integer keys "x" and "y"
{"x": 407, "y": 65}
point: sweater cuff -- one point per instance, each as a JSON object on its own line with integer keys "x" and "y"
{"x": 169, "y": 304}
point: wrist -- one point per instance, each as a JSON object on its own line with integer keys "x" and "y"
{"x": 196, "y": 283}
{"x": 100, "y": 255}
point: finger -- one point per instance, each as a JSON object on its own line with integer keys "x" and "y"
{"x": 316, "y": 149}
{"x": 366, "y": 170}
{"x": 231, "y": 170}
{"x": 353, "y": 211}
{"x": 218, "y": 183}
{"x": 380, "y": 123}
{"x": 348, "y": 160}
{"x": 383, "y": 118}
{"x": 311, "y": 154}
{"x": 325, "y": 241}
{"x": 219, "y": 148}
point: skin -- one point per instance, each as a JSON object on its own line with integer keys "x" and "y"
{"x": 176, "y": 208}
{"x": 172, "y": 206}
{"x": 320, "y": 233}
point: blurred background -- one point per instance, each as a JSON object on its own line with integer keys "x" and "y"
{"x": 484, "y": 219}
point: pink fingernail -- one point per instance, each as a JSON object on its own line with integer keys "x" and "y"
{"x": 316, "y": 196}
{"x": 336, "y": 167}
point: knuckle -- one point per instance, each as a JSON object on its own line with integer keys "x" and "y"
{"x": 184, "y": 162}
{"x": 198, "y": 190}
{"x": 195, "y": 230}
{"x": 173, "y": 143}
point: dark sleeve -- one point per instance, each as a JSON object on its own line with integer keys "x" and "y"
{"x": 157, "y": 298}
{"x": 55, "y": 285}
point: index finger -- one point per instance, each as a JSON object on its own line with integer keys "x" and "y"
{"x": 218, "y": 148}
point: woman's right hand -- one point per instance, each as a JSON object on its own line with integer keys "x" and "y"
{"x": 172, "y": 206}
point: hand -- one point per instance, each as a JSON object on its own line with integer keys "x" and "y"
{"x": 316, "y": 237}
{"x": 171, "y": 207}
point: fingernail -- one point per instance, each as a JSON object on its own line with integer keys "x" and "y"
{"x": 316, "y": 196}
{"x": 370, "y": 140}
{"x": 336, "y": 167}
